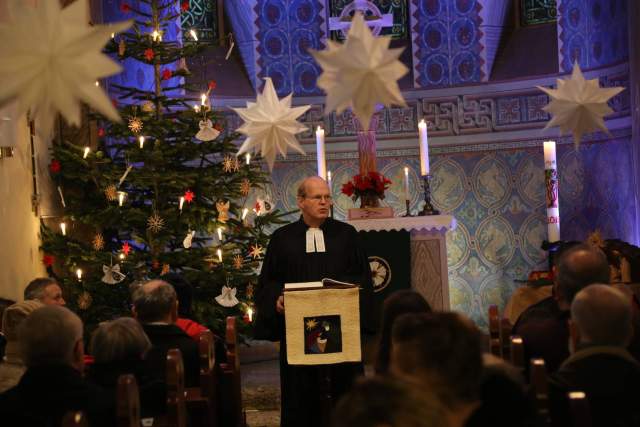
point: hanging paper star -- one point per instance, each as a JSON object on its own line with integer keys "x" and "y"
{"x": 188, "y": 196}
{"x": 135, "y": 125}
{"x": 126, "y": 248}
{"x": 361, "y": 72}
{"x": 227, "y": 164}
{"x": 184, "y": 5}
{"x": 51, "y": 60}
{"x": 245, "y": 187}
{"x": 578, "y": 105}
{"x": 155, "y": 223}
{"x": 255, "y": 251}
{"x": 238, "y": 260}
{"x": 270, "y": 125}
{"x": 111, "y": 193}
{"x": 166, "y": 74}
{"x": 98, "y": 242}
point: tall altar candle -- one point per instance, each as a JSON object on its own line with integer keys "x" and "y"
{"x": 322, "y": 163}
{"x": 424, "y": 148}
{"x": 406, "y": 183}
{"x": 329, "y": 181}
{"x": 551, "y": 191}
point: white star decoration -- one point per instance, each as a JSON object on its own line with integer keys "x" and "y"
{"x": 360, "y": 73}
{"x": 271, "y": 125}
{"x": 578, "y": 105}
{"x": 51, "y": 60}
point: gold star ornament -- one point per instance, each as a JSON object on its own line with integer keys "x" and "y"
{"x": 111, "y": 193}
{"x": 245, "y": 187}
{"x": 311, "y": 324}
{"x": 256, "y": 251}
{"x": 135, "y": 125}
{"x": 238, "y": 261}
{"x": 97, "y": 242}
{"x": 155, "y": 223}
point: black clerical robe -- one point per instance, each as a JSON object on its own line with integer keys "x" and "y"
{"x": 287, "y": 261}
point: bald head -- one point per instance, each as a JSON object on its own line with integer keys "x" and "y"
{"x": 578, "y": 267}
{"x": 602, "y": 316}
{"x": 311, "y": 181}
{"x": 155, "y": 301}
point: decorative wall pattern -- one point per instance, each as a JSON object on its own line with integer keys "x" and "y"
{"x": 201, "y": 16}
{"x": 285, "y": 29}
{"x": 397, "y": 27}
{"x": 533, "y": 12}
{"x": 592, "y": 32}
{"x": 446, "y": 42}
{"x": 497, "y": 197}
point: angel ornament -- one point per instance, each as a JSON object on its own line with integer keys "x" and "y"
{"x": 223, "y": 211}
{"x": 227, "y": 297}
{"x": 207, "y": 132}
{"x": 112, "y": 274}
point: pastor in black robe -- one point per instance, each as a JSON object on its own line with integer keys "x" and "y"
{"x": 287, "y": 261}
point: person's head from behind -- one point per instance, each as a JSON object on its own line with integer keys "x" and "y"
{"x": 120, "y": 340}
{"x": 398, "y": 303}
{"x": 12, "y": 318}
{"x": 578, "y": 267}
{"x": 46, "y": 290}
{"x": 184, "y": 293}
{"x": 441, "y": 351}
{"x": 155, "y": 301}
{"x": 385, "y": 402}
{"x": 314, "y": 200}
{"x": 52, "y": 335}
{"x": 601, "y": 316}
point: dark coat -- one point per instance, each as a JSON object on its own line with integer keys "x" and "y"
{"x": 46, "y": 393}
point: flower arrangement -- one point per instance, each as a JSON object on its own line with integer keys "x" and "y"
{"x": 368, "y": 187}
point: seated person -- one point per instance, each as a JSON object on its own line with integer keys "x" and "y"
{"x": 52, "y": 349}
{"x": 599, "y": 365}
{"x": 4, "y": 303}
{"x": 46, "y": 290}
{"x": 12, "y": 366}
{"x": 119, "y": 347}
{"x": 155, "y": 306}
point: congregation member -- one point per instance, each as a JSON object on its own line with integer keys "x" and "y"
{"x": 600, "y": 365}
{"x": 4, "y": 303}
{"x": 52, "y": 349}
{"x": 155, "y": 306}
{"x": 308, "y": 250}
{"x": 46, "y": 290}
{"x": 12, "y": 366}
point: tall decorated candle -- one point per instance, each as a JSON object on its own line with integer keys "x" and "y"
{"x": 322, "y": 163}
{"x": 406, "y": 183}
{"x": 551, "y": 191}
{"x": 424, "y": 148}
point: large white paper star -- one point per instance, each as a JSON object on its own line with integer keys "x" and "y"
{"x": 51, "y": 60}
{"x": 270, "y": 125}
{"x": 578, "y": 105}
{"x": 360, "y": 73}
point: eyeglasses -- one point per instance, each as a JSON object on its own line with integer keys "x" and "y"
{"x": 320, "y": 198}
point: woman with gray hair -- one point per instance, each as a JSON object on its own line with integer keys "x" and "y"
{"x": 119, "y": 347}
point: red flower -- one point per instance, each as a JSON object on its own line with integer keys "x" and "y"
{"x": 188, "y": 196}
{"x": 184, "y": 6}
{"x": 212, "y": 85}
{"x": 372, "y": 182}
{"x": 48, "y": 260}
{"x": 126, "y": 248}
{"x": 348, "y": 189}
{"x": 166, "y": 74}
{"x": 100, "y": 132}
{"x": 149, "y": 54}
{"x": 125, "y": 8}
{"x": 55, "y": 166}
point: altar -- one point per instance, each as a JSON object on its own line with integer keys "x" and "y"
{"x": 428, "y": 251}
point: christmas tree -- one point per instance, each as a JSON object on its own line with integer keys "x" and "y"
{"x": 161, "y": 192}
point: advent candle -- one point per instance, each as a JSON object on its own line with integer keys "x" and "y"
{"x": 181, "y": 203}
{"x": 329, "y": 180}
{"x": 406, "y": 183}
{"x": 424, "y": 148}
{"x": 551, "y": 186}
{"x": 322, "y": 163}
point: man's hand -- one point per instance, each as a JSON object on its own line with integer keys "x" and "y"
{"x": 280, "y": 304}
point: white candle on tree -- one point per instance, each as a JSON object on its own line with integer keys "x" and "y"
{"x": 322, "y": 163}
{"x": 551, "y": 191}
{"x": 406, "y": 183}
{"x": 424, "y": 148}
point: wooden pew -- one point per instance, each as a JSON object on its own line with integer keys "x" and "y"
{"x": 176, "y": 408}
{"x": 540, "y": 390}
{"x": 230, "y": 401}
{"x": 495, "y": 347}
{"x": 127, "y": 402}
{"x": 505, "y": 338}
{"x": 74, "y": 419}
{"x": 202, "y": 401}
{"x": 579, "y": 409}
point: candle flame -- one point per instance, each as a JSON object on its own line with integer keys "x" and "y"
{"x": 63, "y": 228}
{"x": 86, "y": 152}
{"x": 193, "y": 34}
{"x": 79, "y": 273}
{"x": 219, "y": 252}
{"x": 141, "y": 139}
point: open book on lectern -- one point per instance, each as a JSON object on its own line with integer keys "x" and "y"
{"x": 324, "y": 283}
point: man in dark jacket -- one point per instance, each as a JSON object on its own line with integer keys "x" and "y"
{"x": 600, "y": 365}
{"x": 155, "y": 306}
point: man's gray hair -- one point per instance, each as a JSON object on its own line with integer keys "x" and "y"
{"x": 35, "y": 288}
{"x": 602, "y": 315}
{"x": 153, "y": 301}
{"x": 578, "y": 267}
{"x": 48, "y": 336}
{"x": 122, "y": 339}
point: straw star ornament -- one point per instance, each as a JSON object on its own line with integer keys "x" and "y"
{"x": 361, "y": 72}
{"x": 270, "y": 125}
{"x": 579, "y": 105}
{"x": 51, "y": 60}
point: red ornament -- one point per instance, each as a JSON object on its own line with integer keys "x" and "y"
{"x": 149, "y": 54}
{"x": 188, "y": 196}
{"x": 55, "y": 166}
{"x": 212, "y": 85}
{"x": 100, "y": 132}
{"x": 126, "y": 248}
{"x": 257, "y": 207}
{"x": 217, "y": 127}
{"x": 48, "y": 260}
{"x": 166, "y": 74}
{"x": 184, "y": 6}
{"x": 124, "y": 7}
